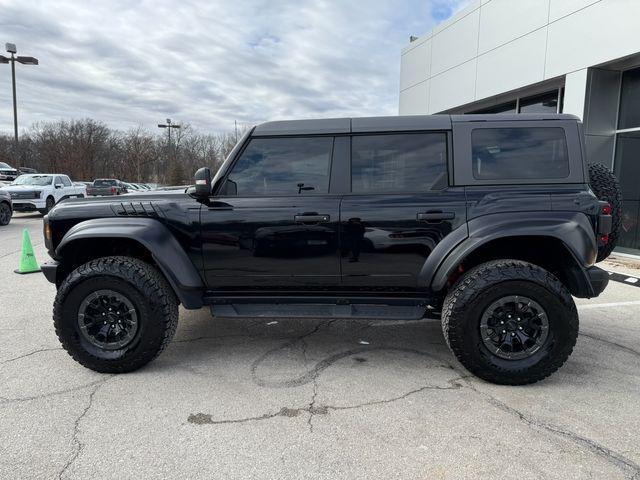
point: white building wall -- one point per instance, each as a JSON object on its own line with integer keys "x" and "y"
{"x": 575, "y": 92}
{"x": 496, "y": 46}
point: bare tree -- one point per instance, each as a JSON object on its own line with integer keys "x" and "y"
{"x": 86, "y": 149}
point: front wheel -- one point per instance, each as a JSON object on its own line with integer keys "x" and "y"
{"x": 115, "y": 314}
{"x": 510, "y": 322}
{"x": 48, "y": 205}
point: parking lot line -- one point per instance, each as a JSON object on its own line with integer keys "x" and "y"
{"x": 608, "y": 305}
{"x": 624, "y": 278}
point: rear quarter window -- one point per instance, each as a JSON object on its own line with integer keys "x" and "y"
{"x": 519, "y": 153}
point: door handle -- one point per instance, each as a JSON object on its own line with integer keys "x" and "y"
{"x": 435, "y": 217}
{"x": 311, "y": 218}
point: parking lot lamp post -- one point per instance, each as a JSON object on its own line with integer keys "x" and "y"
{"x": 168, "y": 126}
{"x": 11, "y": 48}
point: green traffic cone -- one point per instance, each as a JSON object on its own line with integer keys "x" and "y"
{"x": 28, "y": 262}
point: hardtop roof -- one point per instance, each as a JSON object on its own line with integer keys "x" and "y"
{"x": 402, "y": 123}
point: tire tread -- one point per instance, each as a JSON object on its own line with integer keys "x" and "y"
{"x": 148, "y": 280}
{"x": 606, "y": 187}
{"x": 472, "y": 285}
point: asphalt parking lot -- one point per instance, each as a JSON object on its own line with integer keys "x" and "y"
{"x": 309, "y": 399}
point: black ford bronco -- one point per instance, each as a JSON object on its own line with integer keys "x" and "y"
{"x": 490, "y": 223}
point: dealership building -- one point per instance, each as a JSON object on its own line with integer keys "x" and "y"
{"x": 530, "y": 56}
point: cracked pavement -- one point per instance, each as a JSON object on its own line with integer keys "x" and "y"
{"x": 307, "y": 399}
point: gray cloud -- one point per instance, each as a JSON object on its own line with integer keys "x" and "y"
{"x": 209, "y": 62}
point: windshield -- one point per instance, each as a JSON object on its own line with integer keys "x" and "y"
{"x": 4, "y": 165}
{"x": 40, "y": 180}
{"x": 105, "y": 183}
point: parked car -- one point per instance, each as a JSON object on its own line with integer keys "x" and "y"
{"x": 24, "y": 170}
{"x": 172, "y": 187}
{"x": 7, "y": 172}
{"x": 106, "y": 186}
{"x": 490, "y": 223}
{"x": 6, "y": 208}
{"x": 40, "y": 192}
{"x": 132, "y": 187}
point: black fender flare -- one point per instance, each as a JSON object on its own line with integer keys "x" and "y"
{"x": 573, "y": 229}
{"x": 167, "y": 252}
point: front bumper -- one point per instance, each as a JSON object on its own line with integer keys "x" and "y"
{"x": 50, "y": 270}
{"x": 20, "y": 205}
{"x": 598, "y": 279}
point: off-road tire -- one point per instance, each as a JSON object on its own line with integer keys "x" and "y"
{"x": 606, "y": 187}
{"x": 5, "y": 213}
{"x": 477, "y": 289}
{"x": 153, "y": 298}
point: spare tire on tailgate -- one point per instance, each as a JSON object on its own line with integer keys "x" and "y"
{"x": 606, "y": 187}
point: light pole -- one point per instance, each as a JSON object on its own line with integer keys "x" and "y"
{"x": 168, "y": 126}
{"x": 11, "y": 48}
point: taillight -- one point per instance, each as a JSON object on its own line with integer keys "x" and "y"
{"x": 604, "y": 239}
{"x": 113, "y": 189}
{"x": 607, "y": 210}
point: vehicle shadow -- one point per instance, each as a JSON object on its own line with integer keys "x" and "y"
{"x": 288, "y": 353}
{"x": 29, "y": 215}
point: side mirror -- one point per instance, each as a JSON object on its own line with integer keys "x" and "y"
{"x": 203, "y": 183}
{"x": 58, "y": 185}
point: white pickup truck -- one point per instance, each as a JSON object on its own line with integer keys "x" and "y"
{"x": 41, "y": 191}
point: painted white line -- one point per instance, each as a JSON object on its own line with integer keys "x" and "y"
{"x": 631, "y": 280}
{"x": 607, "y": 305}
{"x": 613, "y": 272}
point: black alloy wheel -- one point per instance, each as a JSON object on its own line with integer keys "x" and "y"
{"x": 514, "y": 327}
{"x": 108, "y": 319}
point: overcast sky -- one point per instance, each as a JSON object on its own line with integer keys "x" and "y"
{"x": 208, "y": 63}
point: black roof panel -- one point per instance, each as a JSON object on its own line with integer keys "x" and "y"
{"x": 512, "y": 117}
{"x": 402, "y": 123}
{"x": 303, "y": 127}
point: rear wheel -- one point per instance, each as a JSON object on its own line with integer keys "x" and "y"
{"x": 115, "y": 314}
{"x": 606, "y": 187}
{"x": 510, "y": 322}
{"x": 5, "y": 213}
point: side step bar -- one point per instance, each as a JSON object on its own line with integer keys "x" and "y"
{"x": 318, "y": 307}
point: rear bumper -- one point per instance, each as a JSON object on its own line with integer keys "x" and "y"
{"x": 50, "y": 270}
{"x": 598, "y": 280}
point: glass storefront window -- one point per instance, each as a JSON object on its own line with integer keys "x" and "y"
{"x": 627, "y": 169}
{"x": 509, "y": 107}
{"x": 630, "y": 100}
{"x": 543, "y": 103}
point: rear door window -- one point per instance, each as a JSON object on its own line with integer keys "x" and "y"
{"x": 398, "y": 163}
{"x": 519, "y": 153}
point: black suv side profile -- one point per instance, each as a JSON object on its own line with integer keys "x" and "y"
{"x": 487, "y": 222}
